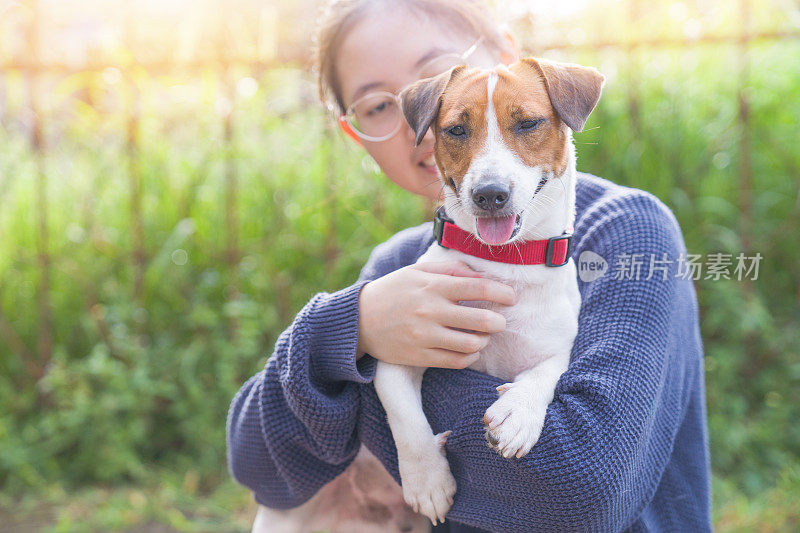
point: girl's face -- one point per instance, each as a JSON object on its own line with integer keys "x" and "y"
{"x": 387, "y": 51}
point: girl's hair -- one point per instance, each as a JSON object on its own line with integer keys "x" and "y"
{"x": 339, "y": 16}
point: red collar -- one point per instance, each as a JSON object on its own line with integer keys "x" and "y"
{"x": 554, "y": 251}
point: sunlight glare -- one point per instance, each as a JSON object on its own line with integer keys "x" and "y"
{"x": 542, "y": 9}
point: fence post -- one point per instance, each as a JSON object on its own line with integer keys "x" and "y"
{"x": 758, "y": 357}
{"x": 331, "y": 249}
{"x": 3, "y": 100}
{"x": 232, "y": 252}
{"x": 44, "y": 335}
{"x": 634, "y": 13}
{"x": 745, "y": 145}
{"x": 138, "y": 254}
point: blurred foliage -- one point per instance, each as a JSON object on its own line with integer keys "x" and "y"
{"x": 137, "y": 388}
{"x": 130, "y": 386}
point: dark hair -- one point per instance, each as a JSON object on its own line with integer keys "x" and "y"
{"x": 339, "y": 16}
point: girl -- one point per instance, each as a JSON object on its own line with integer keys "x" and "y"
{"x": 624, "y": 444}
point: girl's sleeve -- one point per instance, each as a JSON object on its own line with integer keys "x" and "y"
{"x": 292, "y": 427}
{"x": 609, "y": 432}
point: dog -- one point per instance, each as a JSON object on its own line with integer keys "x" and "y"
{"x": 503, "y": 146}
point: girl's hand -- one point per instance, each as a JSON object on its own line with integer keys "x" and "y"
{"x": 412, "y": 317}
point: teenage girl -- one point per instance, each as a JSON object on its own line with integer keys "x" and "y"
{"x": 624, "y": 444}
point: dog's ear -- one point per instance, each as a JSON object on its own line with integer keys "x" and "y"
{"x": 421, "y": 101}
{"x": 573, "y": 89}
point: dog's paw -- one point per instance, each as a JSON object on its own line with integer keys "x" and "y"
{"x": 428, "y": 484}
{"x": 514, "y": 422}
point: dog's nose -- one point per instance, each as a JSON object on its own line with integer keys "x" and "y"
{"x": 491, "y": 196}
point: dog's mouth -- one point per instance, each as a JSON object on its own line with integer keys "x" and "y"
{"x": 498, "y": 229}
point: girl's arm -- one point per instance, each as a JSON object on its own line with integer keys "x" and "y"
{"x": 610, "y": 430}
{"x": 292, "y": 427}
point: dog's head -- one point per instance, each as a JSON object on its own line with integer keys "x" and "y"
{"x": 503, "y": 142}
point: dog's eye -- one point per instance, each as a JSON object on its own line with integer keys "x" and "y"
{"x": 456, "y": 131}
{"x": 526, "y": 126}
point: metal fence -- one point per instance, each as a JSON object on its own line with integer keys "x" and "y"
{"x": 33, "y": 69}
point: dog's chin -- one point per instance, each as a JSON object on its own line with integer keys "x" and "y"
{"x": 496, "y": 231}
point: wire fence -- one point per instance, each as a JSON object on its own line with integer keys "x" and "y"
{"x": 33, "y": 70}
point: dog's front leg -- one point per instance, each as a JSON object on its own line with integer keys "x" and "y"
{"x": 514, "y": 422}
{"x": 428, "y": 485}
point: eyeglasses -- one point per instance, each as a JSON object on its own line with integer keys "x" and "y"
{"x": 377, "y": 116}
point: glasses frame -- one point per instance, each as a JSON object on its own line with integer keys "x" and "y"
{"x": 347, "y": 125}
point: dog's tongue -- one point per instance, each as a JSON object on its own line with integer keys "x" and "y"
{"x": 496, "y": 230}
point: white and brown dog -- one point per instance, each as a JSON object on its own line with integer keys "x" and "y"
{"x": 503, "y": 145}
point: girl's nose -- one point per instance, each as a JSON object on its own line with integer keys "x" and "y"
{"x": 411, "y": 135}
{"x": 408, "y": 131}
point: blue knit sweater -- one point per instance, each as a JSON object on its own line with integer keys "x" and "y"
{"x": 624, "y": 444}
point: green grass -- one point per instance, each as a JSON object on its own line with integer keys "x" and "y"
{"x": 166, "y": 503}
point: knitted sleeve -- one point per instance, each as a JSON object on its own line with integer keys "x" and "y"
{"x": 609, "y": 431}
{"x": 291, "y": 428}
